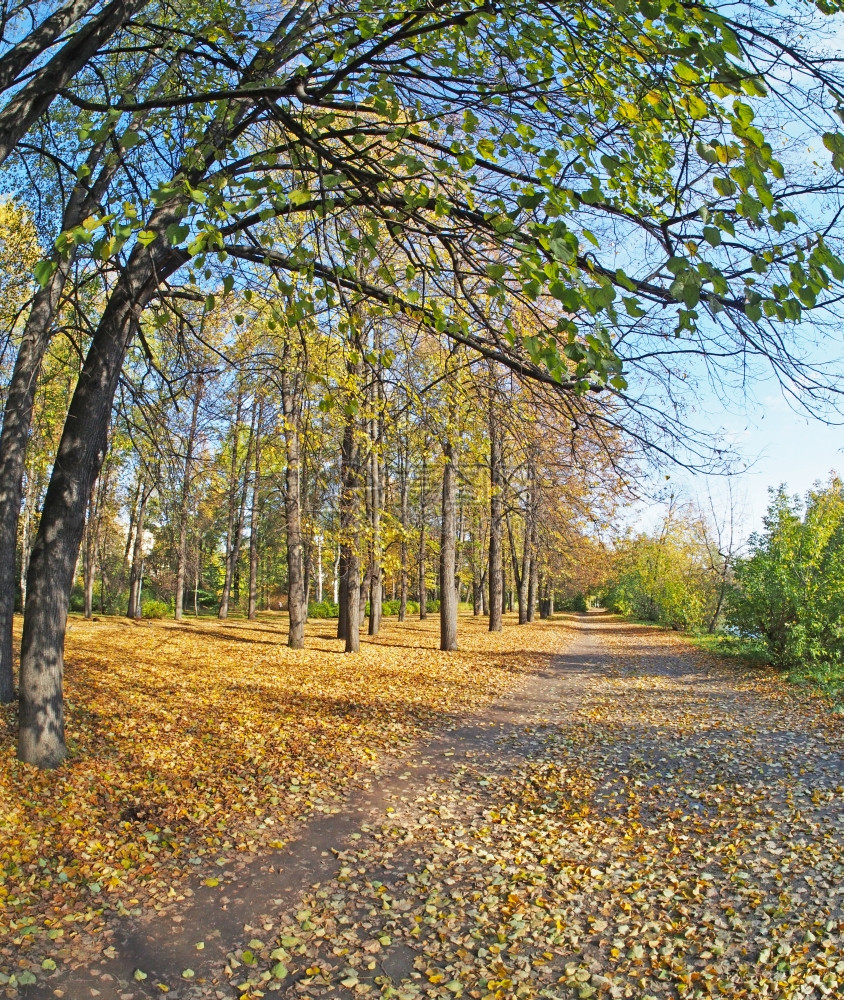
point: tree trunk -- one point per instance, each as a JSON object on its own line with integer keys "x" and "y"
{"x": 17, "y": 419}
{"x": 496, "y": 509}
{"x": 423, "y": 590}
{"x": 341, "y": 593}
{"x": 448, "y": 552}
{"x": 404, "y": 461}
{"x": 253, "y": 523}
{"x": 296, "y": 598}
{"x": 135, "y": 573}
{"x": 184, "y": 502}
{"x": 232, "y": 511}
{"x": 26, "y": 540}
{"x": 376, "y": 575}
{"x": 350, "y": 560}
{"x": 89, "y": 548}
{"x": 82, "y": 446}
{"x": 521, "y": 574}
{"x": 41, "y": 86}
{"x": 533, "y": 588}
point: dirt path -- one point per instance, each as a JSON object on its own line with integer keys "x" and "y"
{"x": 635, "y": 822}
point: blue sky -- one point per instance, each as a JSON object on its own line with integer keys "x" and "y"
{"x": 777, "y": 444}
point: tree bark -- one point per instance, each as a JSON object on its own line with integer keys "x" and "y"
{"x": 33, "y": 98}
{"x": 533, "y": 587}
{"x": 133, "y": 610}
{"x": 32, "y": 45}
{"x": 448, "y": 551}
{"x": 82, "y": 446}
{"x": 88, "y": 561}
{"x": 17, "y": 419}
{"x": 77, "y": 464}
{"x": 184, "y": 502}
{"x": 423, "y": 590}
{"x": 232, "y": 511}
{"x": 496, "y": 511}
{"x": 241, "y": 511}
{"x": 376, "y": 576}
{"x": 350, "y": 560}
{"x": 341, "y": 592}
{"x": 297, "y": 608}
{"x": 521, "y": 574}
{"x": 403, "y": 503}
{"x": 253, "y": 523}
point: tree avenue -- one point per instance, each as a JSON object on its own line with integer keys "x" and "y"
{"x": 424, "y": 270}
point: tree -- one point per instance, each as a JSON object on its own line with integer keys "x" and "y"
{"x": 788, "y": 590}
{"x": 489, "y": 194}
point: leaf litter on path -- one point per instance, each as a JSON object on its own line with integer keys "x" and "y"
{"x": 196, "y": 746}
{"x": 666, "y": 827}
{"x": 677, "y": 832}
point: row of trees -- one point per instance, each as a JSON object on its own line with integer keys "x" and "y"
{"x": 681, "y": 574}
{"x": 782, "y": 589}
{"x": 586, "y": 197}
{"x": 218, "y": 482}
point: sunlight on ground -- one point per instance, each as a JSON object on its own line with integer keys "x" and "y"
{"x": 192, "y": 739}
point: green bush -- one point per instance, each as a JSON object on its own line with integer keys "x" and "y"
{"x": 578, "y": 603}
{"x": 154, "y": 609}
{"x": 789, "y": 591}
{"x": 666, "y": 577}
{"x": 77, "y": 598}
{"x": 323, "y": 609}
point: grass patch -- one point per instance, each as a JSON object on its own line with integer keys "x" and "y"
{"x": 828, "y": 678}
{"x": 749, "y": 651}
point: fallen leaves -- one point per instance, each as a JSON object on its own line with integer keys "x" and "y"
{"x": 664, "y": 827}
{"x": 192, "y": 743}
{"x": 677, "y": 832}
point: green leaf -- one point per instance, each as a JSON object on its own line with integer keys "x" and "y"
{"x": 43, "y": 271}
{"x": 686, "y": 73}
{"x": 177, "y": 233}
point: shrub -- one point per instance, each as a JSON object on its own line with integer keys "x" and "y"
{"x": 578, "y": 603}
{"x": 154, "y": 609}
{"x": 323, "y": 609}
{"x": 790, "y": 590}
{"x": 77, "y": 598}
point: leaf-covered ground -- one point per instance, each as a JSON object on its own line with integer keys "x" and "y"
{"x": 637, "y": 820}
{"x": 673, "y": 829}
{"x": 196, "y": 742}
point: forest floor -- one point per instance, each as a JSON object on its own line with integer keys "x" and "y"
{"x": 577, "y": 808}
